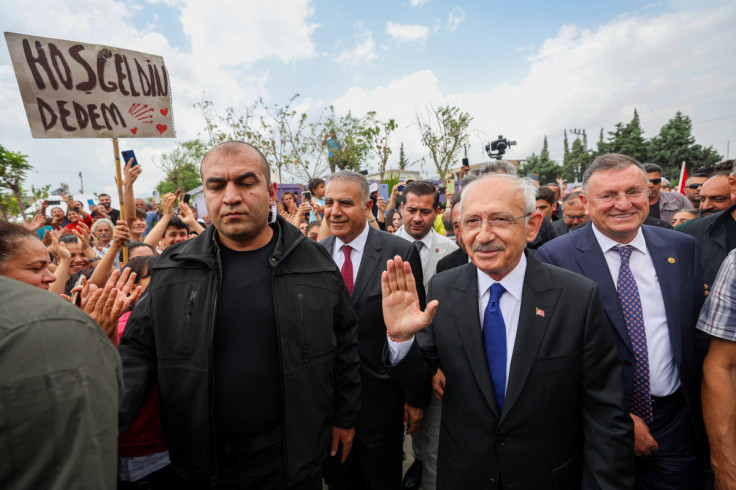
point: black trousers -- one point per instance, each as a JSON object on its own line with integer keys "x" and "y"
{"x": 677, "y": 464}
{"x": 374, "y": 463}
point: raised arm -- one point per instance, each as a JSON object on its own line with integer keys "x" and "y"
{"x": 130, "y": 175}
{"x": 167, "y": 203}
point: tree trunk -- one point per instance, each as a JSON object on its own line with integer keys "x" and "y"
{"x": 21, "y": 207}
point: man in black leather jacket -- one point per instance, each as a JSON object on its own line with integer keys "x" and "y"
{"x": 249, "y": 332}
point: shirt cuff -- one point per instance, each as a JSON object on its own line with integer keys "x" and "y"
{"x": 397, "y": 350}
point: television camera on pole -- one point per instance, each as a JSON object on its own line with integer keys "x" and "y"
{"x": 498, "y": 146}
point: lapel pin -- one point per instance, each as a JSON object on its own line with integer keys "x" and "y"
{"x": 671, "y": 260}
{"x": 540, "y": 312}
{"x": 437, "y": 250}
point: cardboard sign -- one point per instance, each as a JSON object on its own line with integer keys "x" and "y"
{"x": 77, "y": 90}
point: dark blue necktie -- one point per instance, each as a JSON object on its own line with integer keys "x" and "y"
{"x": 628, "y": 294}
{"x": 494, "y": 340}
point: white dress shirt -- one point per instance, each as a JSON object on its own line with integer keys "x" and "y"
{"x": 356, "y": 254}
{"x": 510, "y": 305}
{"x": 663, "y": 376}
{"x": 424, "y": 252}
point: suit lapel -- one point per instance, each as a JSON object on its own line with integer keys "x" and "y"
{"x": 464, "y": 298}
{"x": 538, "y": 302}
{"x": 593, "y": 265}
{"x": 368, "y": 263}
{"x": 666, "y": 264}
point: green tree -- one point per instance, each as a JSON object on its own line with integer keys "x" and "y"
{"x": 541, "y": 165}
{"x": 626, "y": 139}
{"x": 675, "y": 144}
{"x": 14, "y": 168}
{"x": 577, "y": 161}
{"x": 377, "y": 134}
{"x": 181, "y": 166}
{"x": 403, "y": 162}
{"x": 444, "y": 131}
{"x": 350, "y": 132}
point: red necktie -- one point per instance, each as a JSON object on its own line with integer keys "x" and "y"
{"x": 347, "y": 268}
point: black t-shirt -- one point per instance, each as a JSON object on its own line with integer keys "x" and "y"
{"x": 654, "y": 210}
{"x": 730, "y": 233}
{"x": 247, "y": 369}
{"x": 114, "y": 215}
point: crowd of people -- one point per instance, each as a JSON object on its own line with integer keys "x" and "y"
{"x": 524, "y": 336}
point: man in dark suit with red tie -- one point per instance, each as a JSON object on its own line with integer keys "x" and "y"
{"x": 360, "y": 252}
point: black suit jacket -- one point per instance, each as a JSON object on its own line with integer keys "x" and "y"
{"x": 455, "y": 259}
{"x": 676, "y": 257}
{"x": 382, "y": 398}
{"x": 564, "y": 423}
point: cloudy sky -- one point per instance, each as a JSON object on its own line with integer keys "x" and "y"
{"x": 525, "y": 69}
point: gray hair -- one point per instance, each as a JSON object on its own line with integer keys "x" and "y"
{"x": 101, "y": 221}
{"x": 353, "y": 178}
{"x": 609, "y": 161}
{"x": 498, "y": 167}
{"x": 527, "y": 189}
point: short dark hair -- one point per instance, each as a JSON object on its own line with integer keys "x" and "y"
{"x": 142, "y": 266}
{"x": 547, "y": 194}
{"x": 235, "y": 147}
{"x": 652, "y": 167}
{"x": 314, "y": 183}
{"x": 423, "y": 188}
{"x": 312, "y": 224}
{"x": 176, "y": 222}
{"x": 140, "y": 214}
{"x": 725, "y": 165}
{"x": 11, "y": 235}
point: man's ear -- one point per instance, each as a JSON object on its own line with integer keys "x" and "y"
{"x": 584, "y": 200}
{"x": 532, "y": 227}
{"x": 368, "y": 207}
{"x": 272, "y": 190}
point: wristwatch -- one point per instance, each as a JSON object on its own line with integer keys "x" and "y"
{"x": 95, "y": 258}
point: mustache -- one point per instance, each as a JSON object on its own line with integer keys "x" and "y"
{"x": 488, "y": 247}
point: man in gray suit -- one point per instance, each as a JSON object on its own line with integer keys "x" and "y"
{"x": 419, "y": 212}
{"x": 361, "y": 252}
{"x": 535, "y": 394}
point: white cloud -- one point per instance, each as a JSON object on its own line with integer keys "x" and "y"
{"x": 407, "y": 32}
{"x": 585, "y": 78}
{"x": 455, "y": 18}
{"x": 363, "y": 52}
{"x": 417, "y": 3}
{"x": 241, "y": 32}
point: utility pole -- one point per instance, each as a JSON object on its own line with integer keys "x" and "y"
{"x": 581, "y": 132}
{"x": 81, "y": 183}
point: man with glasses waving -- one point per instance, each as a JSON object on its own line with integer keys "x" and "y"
{"x": 651, "y": 289}
{"x": 662, "y": 205}
{"x": 534, "y": 394}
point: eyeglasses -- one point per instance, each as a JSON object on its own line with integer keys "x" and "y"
{"x": 573, "y": 217}
{"x": 655, "y": 181}
{"x": 631, "y": 196}
{"x": 500, "y": 222}
{"x": 694, "y": 186}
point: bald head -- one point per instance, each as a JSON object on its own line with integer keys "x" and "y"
{"x": 234, "y": 148}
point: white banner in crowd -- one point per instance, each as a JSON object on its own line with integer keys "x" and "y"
{"x": 78, "y": 90}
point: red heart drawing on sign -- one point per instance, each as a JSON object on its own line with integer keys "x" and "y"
{"x": 134, "y": 130}
{"x": 161, "y": 128}
{"x": 164, "y": 112}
